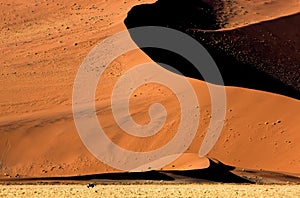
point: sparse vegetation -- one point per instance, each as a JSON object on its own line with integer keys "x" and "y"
{"x": 151, "y": 190}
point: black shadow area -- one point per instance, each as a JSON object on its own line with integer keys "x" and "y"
{"x": 216, "y": 172}
{"x": 196, "y": 14}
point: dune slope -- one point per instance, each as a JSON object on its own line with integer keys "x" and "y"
{"x": 261, "y": 47}
{"x": 42, "y": 46}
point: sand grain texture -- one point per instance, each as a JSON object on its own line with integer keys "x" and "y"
{"x": 42, "y": 46}
{"x": 150, "y": 190}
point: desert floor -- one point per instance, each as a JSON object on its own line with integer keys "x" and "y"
{"x": 151, "y": 190}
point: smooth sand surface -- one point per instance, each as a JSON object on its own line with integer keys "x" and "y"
{"x": 42, "y": 46}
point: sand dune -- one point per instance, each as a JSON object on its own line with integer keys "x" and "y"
{"x": 43, "y": 45}
{"x": 243, "y": 12}
{"x": 267, "y": 49}
{"x": 271, "y": 48}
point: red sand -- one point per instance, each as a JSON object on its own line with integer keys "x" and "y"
{"x": 42, "y": 46}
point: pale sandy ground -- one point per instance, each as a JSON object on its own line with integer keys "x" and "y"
{"x": 195, "y": 190}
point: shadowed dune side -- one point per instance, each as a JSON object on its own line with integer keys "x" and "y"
{"x": 263, "y": 56}
{"x": 272, "y": 48}
{"x": 175, "y": 14}
{"x": 40, "y": 60}
{"x": 216, "y": 172}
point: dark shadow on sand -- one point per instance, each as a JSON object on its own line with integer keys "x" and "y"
{"x": 217, "y": 172}
{"x": 194, "y": 14}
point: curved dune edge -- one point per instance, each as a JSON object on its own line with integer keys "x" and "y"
{"x": 270, "y": 50}
{"x": 255, "y": 135}
{"x": 263, "y": 50}
{"x": 39, "y": 138}
{"x": 242, "y": 12}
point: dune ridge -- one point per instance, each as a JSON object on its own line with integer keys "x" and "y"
{"x": 271, "y": 47}
{"x": 42, "y": 52}
{"x": 267, "y": 49}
